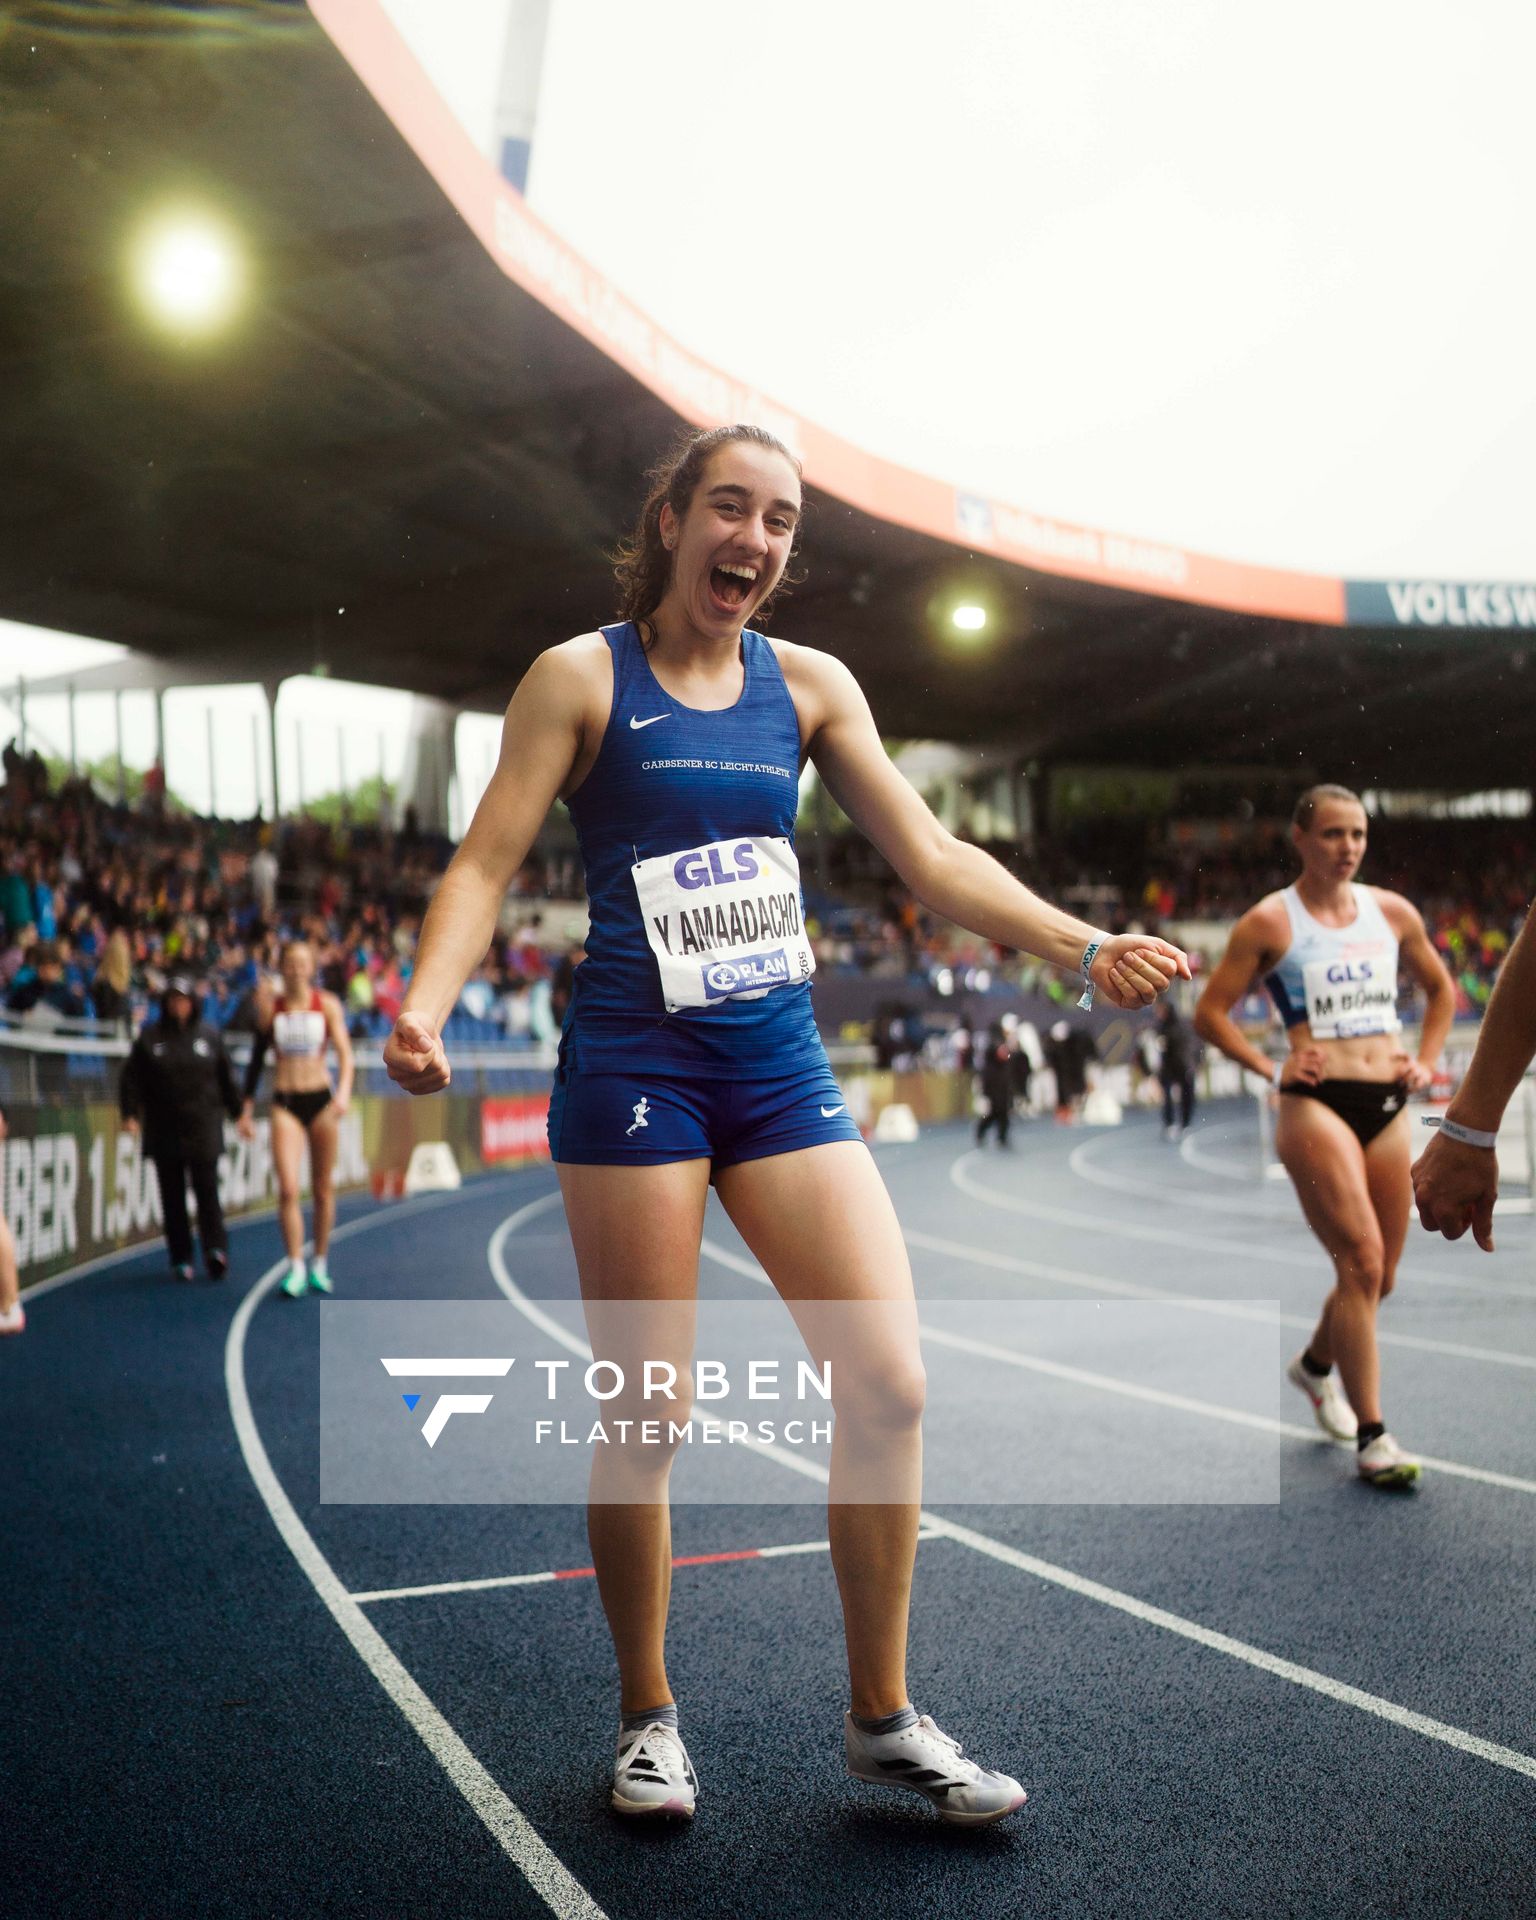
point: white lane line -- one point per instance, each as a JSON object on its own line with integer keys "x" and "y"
{"x": 1320, "y": 1683}
{"x": 575, "y": 1573}
{"x": 1102, "y": 1284}
{"x": 1081, "y": 1163}
{"x": 508, "y": 1825}
{"x": 1284, "y": 1212}
{"x": 1193, "y": 1155}
{"x": 1300, "y": 1676}
{"x": 257, "y": 1217}
{"x": 1128, "y": 1389}
{"x": 454, "y": 1586}
{"x": 1096, "y": 1223}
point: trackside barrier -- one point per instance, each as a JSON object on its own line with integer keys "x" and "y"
{"x": 76, "y": 1185}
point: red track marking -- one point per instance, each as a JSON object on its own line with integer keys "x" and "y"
{"x": 589, "y": 1573}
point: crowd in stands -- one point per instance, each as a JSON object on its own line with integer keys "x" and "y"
{"x": 100, "y": 903}
{"x": 1473, "y": 880}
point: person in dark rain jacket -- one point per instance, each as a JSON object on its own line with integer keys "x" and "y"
{"x": 177, "y": 1085}
{"x": 994, "y": 1069}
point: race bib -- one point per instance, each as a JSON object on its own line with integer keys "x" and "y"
{"x": 1348, "y": 999}
{"x": 724, "y": 921}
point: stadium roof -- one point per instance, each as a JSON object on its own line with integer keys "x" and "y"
{"x": 400, "y": 465}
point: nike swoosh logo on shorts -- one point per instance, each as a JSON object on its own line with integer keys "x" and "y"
{"x": 827, "y": 1112}
{"x": 635, "y": 725}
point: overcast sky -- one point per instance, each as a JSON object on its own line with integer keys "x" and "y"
{"x": 1252, "y": 282}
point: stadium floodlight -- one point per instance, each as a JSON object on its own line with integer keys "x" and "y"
{"x": 188, "y": 272}
{"x": 969, "y": 618}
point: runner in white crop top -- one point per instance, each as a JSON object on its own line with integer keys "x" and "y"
{"x": 301, "y": 1024}
{"x": 1328, "y": 951}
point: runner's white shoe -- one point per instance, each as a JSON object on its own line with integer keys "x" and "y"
{"x": 652, "y": 1773}
{"x": 1385, "y": 1464}
{"x": 1334, "y": 1414}
{"x": 927, "y": 1761}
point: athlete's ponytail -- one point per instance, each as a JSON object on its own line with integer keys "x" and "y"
{"x": 643, "y": 565}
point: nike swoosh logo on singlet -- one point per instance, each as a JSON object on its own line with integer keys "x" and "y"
{"x": 635, "y": 725}
{"x": 827, "y": 1112}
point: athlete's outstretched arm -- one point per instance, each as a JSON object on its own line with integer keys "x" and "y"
{"x": 959, "y": 881}
{"x": 1455, "y": 1185}
{"x": 540, "y": 740}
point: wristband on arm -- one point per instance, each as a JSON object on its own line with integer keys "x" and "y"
{"x": 1085, "y": 1001}
{"x": 1468, "y": 1136}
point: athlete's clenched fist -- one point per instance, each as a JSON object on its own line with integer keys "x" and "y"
{"x": 1134, "y": 968}
{"x": 414, "y": 1056}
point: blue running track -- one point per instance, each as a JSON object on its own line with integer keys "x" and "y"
{"x": 1320, "y": 1705}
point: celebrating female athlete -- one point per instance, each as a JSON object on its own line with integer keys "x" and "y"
{"x": 1328, "y": 953}
{"x": 689, "y": 1053}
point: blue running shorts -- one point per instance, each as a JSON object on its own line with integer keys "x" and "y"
{"x": 644, "y": 1119}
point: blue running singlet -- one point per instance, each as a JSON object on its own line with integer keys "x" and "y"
{"x": 697, "y": 956}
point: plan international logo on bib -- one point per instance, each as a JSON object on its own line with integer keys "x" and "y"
{"x": 752, "y": 972}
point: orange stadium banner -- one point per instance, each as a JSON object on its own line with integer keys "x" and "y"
{"x": 540, "y": 262}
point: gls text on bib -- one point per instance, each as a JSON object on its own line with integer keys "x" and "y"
{"x": 724, "y": 921}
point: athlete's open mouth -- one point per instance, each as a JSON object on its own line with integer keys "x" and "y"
{"x": 732, "y": 584}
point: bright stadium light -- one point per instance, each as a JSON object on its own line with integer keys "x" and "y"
{"x": 969, "y": 619}
{"x": 188, "y": 272}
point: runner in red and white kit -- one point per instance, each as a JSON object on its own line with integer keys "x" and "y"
{"x": 301, "y": 1024}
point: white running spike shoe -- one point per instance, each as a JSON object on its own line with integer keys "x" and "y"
{"x": 653, "y": 1773}
{"x": 924, "y": 1760}
{"x": 1333, "y": 1412}
{"x": 1385, "y": 1464}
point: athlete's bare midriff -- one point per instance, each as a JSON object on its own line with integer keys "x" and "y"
{"x": 299, "y": 1072}
{"x": 1377, "y": 1056}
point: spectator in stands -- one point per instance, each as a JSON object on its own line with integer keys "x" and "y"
{"x": 264, "y": 872}
{"x": 16, "y": 898}
{"x": 13, "y": 1317}
{"x": 113, "y": 979}
{"x": 40, "y": 990}
{"x": 152, "y": 799}
{"x": 16, "y": 954}
{"x": 177, "y": 1086}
